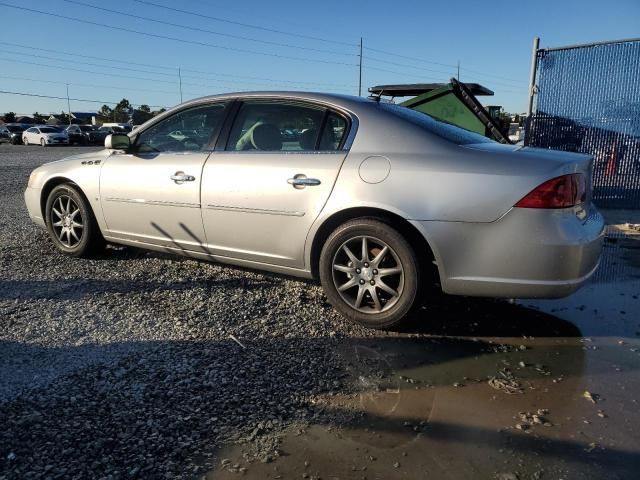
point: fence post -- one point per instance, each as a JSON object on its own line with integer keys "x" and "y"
{"x": 532, "y": 80}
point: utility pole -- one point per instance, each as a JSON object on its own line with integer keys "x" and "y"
{"x": 180, "y": 80}
{"x": 360, "y": 76}
{"x": 532, "y": 79}
{"x": 458, "y": 76}
{"x": 68, "y": 105}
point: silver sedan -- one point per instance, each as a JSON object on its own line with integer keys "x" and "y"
{"x": 379, "y": 203}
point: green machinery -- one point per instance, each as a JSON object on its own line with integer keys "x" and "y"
{"x": 454, "y": 102}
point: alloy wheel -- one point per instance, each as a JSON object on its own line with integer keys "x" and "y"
{"x": 370, "y": 280}
{"x": 66, "y": 220}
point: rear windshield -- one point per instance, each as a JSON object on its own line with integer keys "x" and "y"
{"x": 13, "y": 128}
{"x": 449, "y": 132}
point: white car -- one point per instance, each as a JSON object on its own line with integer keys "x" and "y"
{"x": 44, "y": 136}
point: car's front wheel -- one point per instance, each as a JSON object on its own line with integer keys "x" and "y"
{"x": 370, "y": 273}
{"x": 71, "y": 223}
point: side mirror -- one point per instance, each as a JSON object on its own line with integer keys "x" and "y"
{"x": 117, "y": 141}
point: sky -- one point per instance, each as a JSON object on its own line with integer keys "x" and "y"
{"x": 135, "y": 49}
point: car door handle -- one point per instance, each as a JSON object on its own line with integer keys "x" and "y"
{"x": 303, "y": 182}
{"x": 182, "y": 177}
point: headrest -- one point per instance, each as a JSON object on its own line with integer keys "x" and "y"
{"x": 266, "y": 137}
{"x": 308, "y": 139}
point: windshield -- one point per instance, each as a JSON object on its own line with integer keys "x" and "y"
{"x": 449, "y": 132}
{"x": 48, "y": 130}
{"x": 15, "y": 128}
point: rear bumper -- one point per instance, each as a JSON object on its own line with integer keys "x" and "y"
{"x": 528, "y": 253}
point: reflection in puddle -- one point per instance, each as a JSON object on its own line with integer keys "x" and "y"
{"x": 421, "y": 403}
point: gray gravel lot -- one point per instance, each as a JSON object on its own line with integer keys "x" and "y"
{"x": 126, "y": 366}
{"x": 123, "y": 365}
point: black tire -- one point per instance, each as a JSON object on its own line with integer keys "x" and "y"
{"x": 25, "y": 141}
{"x": 387, "y": 310}
{"x": 88, "y": 239}
{"x": 43, "y": 143}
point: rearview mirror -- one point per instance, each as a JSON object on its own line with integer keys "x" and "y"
{"x": 117, "y": 141}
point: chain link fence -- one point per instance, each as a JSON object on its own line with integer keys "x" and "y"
{"x": 588, "y": 101}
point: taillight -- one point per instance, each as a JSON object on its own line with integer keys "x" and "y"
{"x": 560, "y": 192}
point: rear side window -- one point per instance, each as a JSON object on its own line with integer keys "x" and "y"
{"x": 281, "y": 125}
{"x": 449, "y": 132}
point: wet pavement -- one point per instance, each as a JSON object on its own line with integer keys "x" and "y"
{"x": 544, "y": 389}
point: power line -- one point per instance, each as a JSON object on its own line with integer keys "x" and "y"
{"x": 405, "y": 74}
{"x": 85, "y": 71}
{"x": 405, "y": 65}
{"x": 475, "y": 72}
{"x": 65, "y": 98}
{"x": 129, "y": 76}
{"x": 175, "y": 39}
{"x": 212, "y": 32}
{"x": 164, "y": 67}
{"x": 384, "y": 52}
{"x": 76, "y": 62}
{"x": 75, "y": 84}
{"x": 242, "y": 24}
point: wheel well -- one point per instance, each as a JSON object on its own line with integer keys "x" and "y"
{"x": 49, "y": 186}
{"x": 413, "y": 236}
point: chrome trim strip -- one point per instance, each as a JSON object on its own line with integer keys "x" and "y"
{"x": 283, "y": 152}
{"x": 286, "y": 213}
{"x": 269, "y": 267}
{"x": 153, "y": 202}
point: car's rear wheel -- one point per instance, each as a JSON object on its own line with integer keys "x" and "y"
{"x": 370, "y": 273}
{"x": 42, "y": 142}
{"x": 71, "y": 223}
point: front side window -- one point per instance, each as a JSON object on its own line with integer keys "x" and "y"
{"x": 276, "y": 126}
{"x": 48, "y": 130}
{"x": 185, "y": 131}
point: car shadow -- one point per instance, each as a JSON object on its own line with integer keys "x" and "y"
{"x": 171, "y": 403}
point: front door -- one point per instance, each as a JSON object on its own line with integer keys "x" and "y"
{"x": 152, "y": 194}
{"x": 261, "y": 195}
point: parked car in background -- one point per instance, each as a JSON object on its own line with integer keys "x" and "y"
{"x": 383, "y": 204}
{"x": 45, "y": 136}
{"x": 84, "y": 135}
{"x": 115, "y": 128}
{"x": 15, "y": 132}
{"x": 122, "y": 126}
{"x": 4, "y": 134}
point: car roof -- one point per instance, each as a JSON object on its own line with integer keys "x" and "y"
{"x": 344, "y": 101}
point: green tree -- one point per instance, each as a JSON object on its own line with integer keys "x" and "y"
{"x": 105, "y": 114}
{"x": 9, "y": 117}
{"x": 65, "y": 118}
{"x": 38, "y": 118}
{"x": 141, "y": 115}
{"x": 121, "y": 111}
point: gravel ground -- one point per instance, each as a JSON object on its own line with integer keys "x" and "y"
{"x": 123, "y": 366}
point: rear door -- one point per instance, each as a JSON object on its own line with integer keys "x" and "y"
{"x": 152, "y": 195}
{"x": 261, "y": 194}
